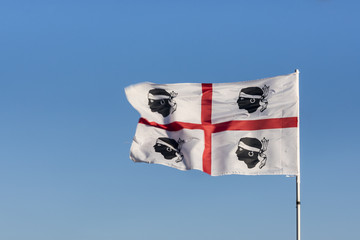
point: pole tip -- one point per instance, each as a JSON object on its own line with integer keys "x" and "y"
{"x": 297, "y": 71}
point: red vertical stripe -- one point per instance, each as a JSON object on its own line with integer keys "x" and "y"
{"x": 206, "y": 105}
{"x": 206, "y": 102}
{"x": 207, "y": 151}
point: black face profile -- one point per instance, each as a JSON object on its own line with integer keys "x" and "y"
{"x": 162, "y": 102}
{"x": 249, "y": 151}
{"x": 249, "y": 157}
{"x": 168, "y": 148}
{"x": 249, "y": 98}
{"x": 160, "y": 106}
{"x": 249, "y": 104}
{"x": 167, "y": 152}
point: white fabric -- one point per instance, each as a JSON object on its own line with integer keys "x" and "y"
{"x": 282, "y": 97}
{"x": 188, "y": 101}
{"x": 281, "y": 155}
{"x": 281, "y": 152}
{"x": 142, "y": 148}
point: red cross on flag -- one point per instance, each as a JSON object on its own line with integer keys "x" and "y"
{"x": 248, "y": 127}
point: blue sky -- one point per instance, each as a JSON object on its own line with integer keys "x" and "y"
{"x": 66, "y": 126}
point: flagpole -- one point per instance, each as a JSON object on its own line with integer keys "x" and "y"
{"x": 297, "y": 207}
{"x": 298, "y": 175}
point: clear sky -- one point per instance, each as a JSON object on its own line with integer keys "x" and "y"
{"x": 66, "y": 126}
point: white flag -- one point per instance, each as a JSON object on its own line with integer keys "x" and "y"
{"x": 248, "y": 128}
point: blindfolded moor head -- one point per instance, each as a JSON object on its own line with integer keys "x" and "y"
{"x": 251, "y": 98}
{"x": 162, "y": 102}
{"x": 251, "y": 151}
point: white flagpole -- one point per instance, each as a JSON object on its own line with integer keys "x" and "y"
{"x": 298, "y": 176}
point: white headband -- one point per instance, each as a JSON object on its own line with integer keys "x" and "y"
{"x": 247, "y": 147}
{"x": 159, "y": 141}
{"x": 244, "y": 95}
{"x": 158, "y": 97}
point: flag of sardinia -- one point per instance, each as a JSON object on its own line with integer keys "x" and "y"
{"x": 248, "y": 127}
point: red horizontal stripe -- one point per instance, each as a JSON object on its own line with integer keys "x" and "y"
{"x": 248, "y": 125}
{"x": 174, "y": 126}
{"x": 244, "y": 125}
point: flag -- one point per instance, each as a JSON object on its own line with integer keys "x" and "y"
{"x": 247, "y": 127}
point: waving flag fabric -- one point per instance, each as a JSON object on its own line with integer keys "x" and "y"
{"x": 248, "y": 127}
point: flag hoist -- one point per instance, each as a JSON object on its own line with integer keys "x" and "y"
{"x": 248, "y": 127}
